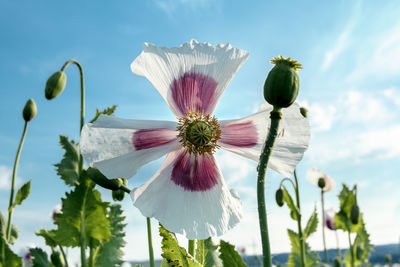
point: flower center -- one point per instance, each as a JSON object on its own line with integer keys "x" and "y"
{"x": 199, "y": 133}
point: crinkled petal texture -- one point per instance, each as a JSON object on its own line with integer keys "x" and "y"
{"x": 313, "y": 175}
{"x": 119, "y": 147}
{"x": 246, "y": 137}
{"x": 192, "y": 76}
{"x": 188, "y": 195}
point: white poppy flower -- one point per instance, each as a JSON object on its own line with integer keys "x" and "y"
{"x": 188, "y": 194}
{"x": 313, "y": 175}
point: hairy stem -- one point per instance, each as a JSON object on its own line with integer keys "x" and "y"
{"x": 323, "y": 225}
{"x": 14, "y": 174}
{"x": 149, "y": 239}
{"x": 302, "y": 245}
{"x": 262, "y": 168}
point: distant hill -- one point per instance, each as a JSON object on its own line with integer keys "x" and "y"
{"x": 377, "y": 256}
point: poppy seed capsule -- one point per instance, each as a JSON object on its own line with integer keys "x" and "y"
{"x": 55, "y": 85}
{"x": 354, "y": 214}
{"x": 30, "y": 110}
{"x": 282, "y": 84}
{"x": 321, "y": 183}
{"x": 279, "y": 197}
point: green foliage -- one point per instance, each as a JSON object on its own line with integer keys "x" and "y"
{"x": 229, "y": 256}
{"x": 109, "y": 252}
{"x": 312, "y": 224}
{"x": 83, "y": 215}
{"x": 9, "y": 258}
{"x": 207, "y": 254}
{"x": 49, "y": 237}
{"x": 107, "y": 111}
{"x": 294, "y": 212}
{"x": 342, "y": 219}
{"x": 312, "y": 258}
{"x": 56, "y": 259}
{"x": 173, "y": 254}
{"x": 40, "y": 258}
{"x": 362, "y": 248}
{"x": 14, "y": 234}
{"x": 22, "y": 194}
{"x": 68, "y": 168}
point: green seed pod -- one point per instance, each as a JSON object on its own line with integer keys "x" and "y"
{"x": 336, "y": 262}
{"x": 304, "y": 112}
{"x": 56, "y": 259}
{"x": 279, "y": 197}
{"x": 354, "y": 214}
{"x": 30, "y": 110}
{"x": 55, "y": 85}
{"x": 321, "y": 183}
{"x": 118, "y": 195}
{"x": 282, "y": 84}
{"x": 100, "y": 179}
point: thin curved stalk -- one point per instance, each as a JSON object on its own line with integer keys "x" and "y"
{"x": 14, "y": 174}
{"x": 337, "y": 244}
{"x": 275, "y": 116}
{"x": 64, "y": 256}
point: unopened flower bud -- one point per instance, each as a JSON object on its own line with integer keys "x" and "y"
{"x": 118, "y": 195}
{"x": 354, "y": 214}
{"x": 56, "y": 259}
{"x": 30, "y": 110}
{"x": 304, "y": 112}
{"x": 321, "y": 183}
{"x": 282, "y": 84}
{"x": 55, "y": 85}
{"x": 336, "y": 262}
{"x": 100, "y": 179}
{"x": 279, "y": 197}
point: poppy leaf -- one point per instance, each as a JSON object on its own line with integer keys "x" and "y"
{"x": 229, "y": 255}
{"x": 40, "y": 258}
{"x": 68, "y": 168}
{"x": 312, "y": 224}
{"x": 22, "y": 194}
{"x": 107, "y": 111}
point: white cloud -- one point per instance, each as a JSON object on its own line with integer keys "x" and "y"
{"x": 170, "y": 7}
{"x": 5, "y": 178}
{"x": 393, "y": 94}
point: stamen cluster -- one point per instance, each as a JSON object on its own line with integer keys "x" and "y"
{"x": 199, "y": 132}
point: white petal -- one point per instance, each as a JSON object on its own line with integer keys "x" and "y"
{"x": 290, "y": 145}
{"x": 195, "y": 214}
{"x": 204, "y": 63}
{"x": 313, "y": 175}
{"x": 108, "y": 144}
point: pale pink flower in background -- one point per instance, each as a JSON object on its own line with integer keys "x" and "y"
{"x": 329, "y": 219}
{"x": 188, "y": 194}
{"x": 313, "y": 175}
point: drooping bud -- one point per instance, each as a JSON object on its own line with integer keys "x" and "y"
{"x": 100, "y": 179}
{"x": 282, "y": 84}
{"x": 55, "y": 85}
{"x": 30, "y": 110}
{"x": 336, "y": 262}
{"x": 354, "y": 214}
{"x": 279, "y": 197}
{"x": 118, "y": 195}
{"x": 56, "y": 259}
{"x": 304, "y": 112}
{"x": 321, "y": 183}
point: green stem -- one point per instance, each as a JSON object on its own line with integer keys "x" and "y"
{"x": 287, "y": 179}
{"x": 275, "y": 116}
{"x": 10, "y": 208}
{"x": 302, "y": 245}
{"x": 191, "y": 248}
{"x": 323, "y": 225}
{"x": 351, "y": 249}
{"x": 82, "y": 115}
{"x": 64, "y": 256}
{"x": 91, "y": 253}
{"x": 337, "y": 244}
{"x": 151, "y": 253}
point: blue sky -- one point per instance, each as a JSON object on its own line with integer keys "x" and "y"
{"x": 349, "y": 50}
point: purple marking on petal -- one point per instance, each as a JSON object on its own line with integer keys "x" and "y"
{"x": 194, "y": 91}
{"x": 148, "y": 138}
{"x": 330, "y": 223}
{"x": 195, "y": 173}
{"x": 243, "y": 134}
